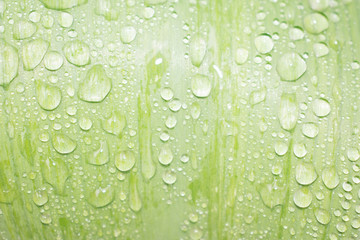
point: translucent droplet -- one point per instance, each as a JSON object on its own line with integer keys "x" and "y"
{"x": 175, "y": 105}
{"x": 169, "y": 177}
{"x": 341, "y": 227}
{"x": 319, "y": 5}
{"x": 85, "y": 123}
{"x": 330, "y": 177}
{"x": 171, "y": 122}
{"x": 47, "y": 21}
{"x": 303, "y": 197}
{"x": 197, "y": 50}
{"x": 53, "y": 60}
{"x": 322, "y": 216}
{"x": 196, "y": 234}
{"x": 281, "y": 148}
{"x": 165, "y": 155}
{"x": 96, "y": 85}
{"x": 258, "y": 96}
{"x": 264, "y": 43}
{"x": 241, "y": 56}
{"x": 195, "y": 110}
{"x": 355, "y": 223}
{"x": 296, "y": 34}
{"x": 291, "y": 66}
{"x": 305, "y": 173}
{"x": 101, "y": 197}
{"x": 55, "y": 172}
{"x": 127, "y": 34}
{"x": 315, "y": 23}
{"x": 100, "y": 156}
{"x": 33, "y": 52}
{"x": 23, "y": 29}
{"x": 45, "y": 219}
{"x": 125, "y": 160}
{"x": 77, "y": 53}
{"x": 9, "y": 63}
{"x": 353, "y": 154}
{"x": 40, "y": 197}
{"x": 48, "y": 97}
{"x": 184, "y": 158}
{"x": 62, "y": 4}
{"x": 289, "y": 112}
{"x": 271, "y": 195}
{"x": 347, "y": 186}
{"x": 65, "y": 19}
{"x": 34, "y": 16}
{"x": 310, "y": 130}
{"x": 321, "y": 107}
{"x": 201, "y": 85}
{"x": 300, "y": 150}
{"x": 63, "y": 144}
{"x": 115, "y": 123}
{"x": 134, "y": 199}
{"x": 320, "y": 50}
{"x": 167, "y": 94}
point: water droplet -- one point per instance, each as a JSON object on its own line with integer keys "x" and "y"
{"x": 33, "y": 52}
{"x": 296, "y": 34}
{"x": 77, "y": 53}
{"x": 169, "y": 177}
{"x": 154, "y": 2}
{"x": 322, "y": 216}
{"x": 175, "y": 105}
{"x": 341, "y": 227}
{"x": 171, "y": 122}
{"x": 165, "y": 155}
{"x": 289, "y": 112}
{"x": 115, "y": 123}
{"x": 100, "y": 156}
{"x": 107, "y": 8}
{"x": 184, "y": 158}
{"x": 315, "y": 23}
{"x": 101, "y": 197}
{"x": 96, "y": 85}
{"x": 347, "y": 186}
{"x": 281, "y": 148}
{"x": 62, "y": 4}
{"x": 303, "y": 197}
{"x": 167, "y": 94}
{"x": 9, "y": 63}
{"x": 34, "y": 16}
{"x": 196, "y": 234}
{"x": 65, "y": 19}
{"x": 53, "y": 60}
{"x": 127, "y": 34}
{"x": 148, "y": 12}
{"x": 330, "y": 177}
{"x": 63, "y": 144}
{"x": 291, "y": 66}
{"x": 40, "y": 197}
{"x": 272, "y": 195}
{"x": 264, "y": 43}
{"x": 197, "y": 50}
{"x": 195, "y": 110}
{"x": 353, "y": 154}
{"x": 134, "y": 199}
{"x": 55, "y": 172}
{"x": 47, "y": 21}
{"x": 241, "y": 56}
{"x": 355, "y": 223}
{"x": 300, "y": 150}
{"x": 45, "y": 219}
{"x": 258, "y": 96}
{"x": 125, "y": 160}
{"x": 319, "y": 5}
{"x": 200, "y": 85}
{"x": 305, "y": 173}
{"x": 320, "y": 50}
{"x": 321, "y": 107}
{"x": 310, "y": 130}
{"x": 48, "y": 97}
{"x": 85, "y": 123}
{"x": 23, "y": 29}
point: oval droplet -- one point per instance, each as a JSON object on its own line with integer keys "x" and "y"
{"x": 9, "y": 63}
{"x": 169, "y": 177}
{"x": 288, "y": 114}
{"x": 320, "y": 50}
{"x": 77, "y": 53}
{"x": 322, "y": 216}
{"x": 197, "y": 50}
{"x": 241, "y": 56}
{"x": 23, "y": 29}
{"x": 63, "y": 144}
{"x": 303, "y": 197}
{"x": 310, "y": 130}
{"x": 127, "y": 34}
{"x": 33, "y": 53}
{"x": 40, "y": 197}
{"x": 48, "y": 97}
{"x": 319, "y": 5}
{"x": 330, "y": 178}
{"x": 315, "y": 23}
{"x": 125, "y": 160}
{"x": 100, "y": 156}
{"x": 165, "y": 156}
{"x": 55, "y": 172}
{"x": 115, "y": 123}
{"x": 305, "y": 173}
{"x": 201, "y": 85}
{"x": 264, "y": 43}
{"x": 101, "y": 197}
{"x": 62, "y": 4}
{"x": 53, "y": 61}
{"x": 291, "y": 66}
{"x": 321, "y": 107}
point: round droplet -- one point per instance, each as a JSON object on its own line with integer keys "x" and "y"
{"x": 291, "y": 66}
{"x": 305, "y": 173}
{"x": 63, "y": 144}
{"x": 300, "y": 150}
{"x": 201, "y": 85}
{"x": 34, "y": 16}
{"x": 77, "y": 53}
{"x": 303, "y": 197}
{"x": 330, "y": 177}
{"x": 196, "y": 234}
{"x": 45, "y": 219}
{"x": 353, "y": 154}
{"x": 101, "y": 197}
{"x": 281, "y": 148}
{"x": 322, "y": 216}
{"x": 264, "y": 43}
{"x": 23, "y": 29}
{"x": 310, "y": 130}
{"x": 315, "y": 23}
{"x": 48, "y": 96}
{"x": 355, "y": 223}
{"x": 341, "y": 227}
{"x": 171, "y": 122}
{"x": 85, "y": 123}
{"x": 125, "y": 160}
{"x": 320, "y": 50}
{"x": 347, "y": 186}
{"x": 296, "y": 34}
{"x": 65, "y": 19}
{"x": 241, "y": 56}
{"x": 127, "y": 34}
{"x": 321, "y": 107}
{"x": 40, "y": 197}
{"x": 175, "y": 105}
{"x": 115, "y": 123}
{"x": 169, "y": 177}
{"x": 167, "y": 94}
{"x": 184, "y": 158}
{"x": 319, "y": 5}
{"x": 53, "y": 60}
{"x": 165, "y": 156}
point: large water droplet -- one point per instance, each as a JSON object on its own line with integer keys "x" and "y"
{"x": 319, "y": 5}
{"x": 134, "y": 199}
{"x": 200, "y": 85}
{"x": 77, "y": 53}
{"x": 320, "y": 50}
{"x": 115, "y": 123}
{"x": 55, "y": 172}
{"x": 9, "y": 63}
{"x": 353, "y": 154}
{"x": 65, "y": 19}
{"x": 169, "y": 177}
{"x": 62, "y": 4}
{"x": 197, "y": 50}
{"x": 241, "y": 56}
{"x": 291, "y": 66}
{"x": 315, "y": 23}
{"x": 23, "y": 29}
{"x": 125, "y": 160}
{"x": 127, "y": 34}
{"x": 271, "y": 195}
{"x": 322, "y": 216}
{"x": 63, "y": 144}
{"x": 288, "y": 113}
{"x": 96, "y": 85}
{"x": 40, "y": 197}
{"x": 258, "y": 96}
{"x": 321, "y": 107}
{"x": 300, "y": 150}
{"x": 48, "y": 97}
{"x": 330, "y": 177}
{"x": 100, "y": 156}
{"x": 310, "y": 130}
{"x": 53, "y": 60}
{"x": 305, "y": 173}
{"x": 281, "y": 148}
{"x": 165, "y": 156}
{"x": 101, "y": 197}
{"x": 303, "y": 197}
{"x": 264, "y": 43}
{"x": 33, "y": 52}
